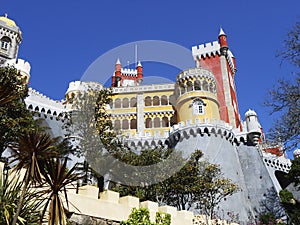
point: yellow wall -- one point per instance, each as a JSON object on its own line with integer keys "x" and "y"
{"x": 185, "y": 109}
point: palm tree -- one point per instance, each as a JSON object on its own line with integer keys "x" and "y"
{"x": 57, "y": 177}
{"x": 31, "y": 152}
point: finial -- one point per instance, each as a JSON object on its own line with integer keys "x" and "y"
{"x": 5, "y": 15}
{"x": 118, "y": 61}
{"x": 221, "y": 32}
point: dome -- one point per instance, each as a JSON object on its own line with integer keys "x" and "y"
{"x": 250, "y": 113}
{"x": 8, "y": 21}
{"x": 297, "y": 153}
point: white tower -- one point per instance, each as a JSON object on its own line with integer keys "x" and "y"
{"x": 297, "y": 153}
{"x": 10, "y": 39}
{"x": 253, "y": 127}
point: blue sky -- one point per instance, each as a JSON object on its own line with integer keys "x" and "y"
{"x": 62, "y": 38}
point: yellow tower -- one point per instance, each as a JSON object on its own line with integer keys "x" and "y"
{"x": 197, "y": 96}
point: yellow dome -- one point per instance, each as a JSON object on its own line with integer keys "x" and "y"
{"x": 8, "y": 22}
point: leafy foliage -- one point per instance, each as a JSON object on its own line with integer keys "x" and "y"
{"x": 14, "y": 117}
{"x": 31, "y": 152}
{"x": 212, "y": 187}
{"x": 196, "y": 183}
{"x": 294, "y": 173}
{"x": 57, "y": 177}
{"x": 142, "y": 217}
{"x": 10, "y": 190}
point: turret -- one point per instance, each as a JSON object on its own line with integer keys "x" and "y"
{"x": 117, "y": 75}
{"x": 196, "y": 96}
{"x": 223, "y": 42}
{"x": 139, "y": 69}
{"x": 10, "y": 39}
{"x": 253, "y": 127}
{"x": 297, "y": 153}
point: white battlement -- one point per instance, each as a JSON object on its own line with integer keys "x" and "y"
{"x": 129, "y": 72}
{"x": 83, "y": 86}
{"x": 195, "y": 72}
{"x": 36, "y": 100}
{"x": 19, "y": 64}
{"x": 206, "y": 49}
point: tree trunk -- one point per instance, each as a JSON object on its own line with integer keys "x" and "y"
{"x": 20, "y": 203}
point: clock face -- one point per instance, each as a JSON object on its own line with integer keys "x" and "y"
{"x": 224, "y": 38}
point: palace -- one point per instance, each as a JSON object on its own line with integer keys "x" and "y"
{"x": 198, "y": 111}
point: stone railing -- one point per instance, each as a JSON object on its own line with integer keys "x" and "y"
{"x": 110, "y": 206}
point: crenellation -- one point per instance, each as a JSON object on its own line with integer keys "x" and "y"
{"x": 207, "y": 49}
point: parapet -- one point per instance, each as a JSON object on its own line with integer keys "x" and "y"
{"x": 19, "y": 64}
{"x": 129, "y": 72}
{"x": 75, "y": 86}
{"x": 113, "y": 207}
{"x": 207, "y": 49}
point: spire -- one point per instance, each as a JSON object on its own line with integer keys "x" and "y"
{"x": 221, "y": 32}
{"x": 139, "y": 64}
{"x": 118, "y": 62}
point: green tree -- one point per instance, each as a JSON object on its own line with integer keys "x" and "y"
{"x": 10, "y": 190}
{"x": 212, "y": 188}
{"x": 14, "y": 117}
{"x": 57, "y": 177}
{"x": 198, "y": 183}
{"x": 284, "y": 98}
{"x": 141, "y": 216}
{"x": 31, "y": 152}
{"x": 294, "y": 173}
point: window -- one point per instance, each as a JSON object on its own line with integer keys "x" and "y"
{"x": 198, "y": 109}
{"x": 125, "y": 103}
{"x": 5, "y": 42}
{"x": 198, "y": 106}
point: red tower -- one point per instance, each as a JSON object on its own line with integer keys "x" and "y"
{"x": 217, "y": 58}
{"x": 127, "y": 77}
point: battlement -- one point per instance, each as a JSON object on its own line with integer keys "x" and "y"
{"x": 195, "y": 72}
{"x": 129, "y": 72}
{"x": 207, "y": 49}
{"x": 83, "y": 86}
{"x": 19, "y": 64}
{"x": 183, "y": 130}
{"x": 40, "y": 103}
{"x": 86, "y": 202}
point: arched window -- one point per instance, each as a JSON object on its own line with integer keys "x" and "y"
{"x": 125, "y": 103}
{"x": 156, "y": 122}
{"x": 133, "y": 124}
{"x": 5, "y": 43}
{"x": 189, "y": 86}
{"x": 148, "y": 123}
{"x": 117, "y": 125}
{"x": 148, "y": 101}
{"x": 117, "y": 103}
{"x": 125, "y": 124}
{"x": 205, "y": 85}
{"x": 197, "y": 85}
{"x": 198, "y": 106}
{"x": 165, "y": 122}
{"x": 164, "y": 100}
{"x": 133, "y": 102}
{"x": 155, "y": 100}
